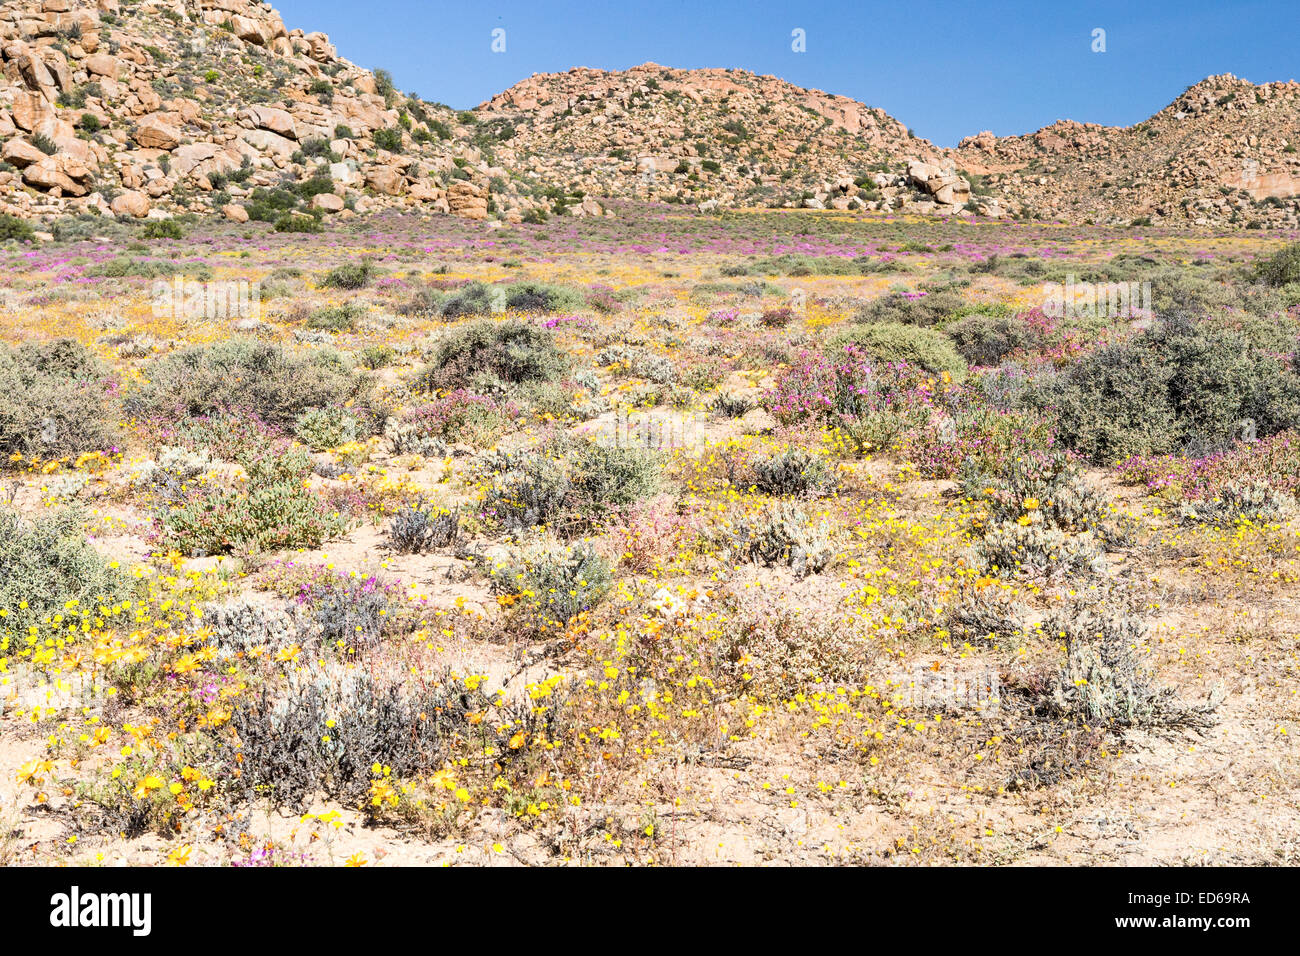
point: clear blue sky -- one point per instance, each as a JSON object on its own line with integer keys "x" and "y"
{"x": 946, "y": 69}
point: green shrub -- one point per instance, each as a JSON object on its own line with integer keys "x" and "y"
{"x": 556, "y": 582}
{"x": 162, "y": 229}
{"x": 297, "y": 222}
{"x": 895, "y": 342}
{"x": 793, "y": 472}
{"x": 926, "y": 310}
{"x": 988, "y": 339}
{"x": 1281, "y": 268}
{"x": 267, "y": 205}
{"x": 388, "y": 139}
{"x": 323, "y": 428}
{"x": 272, "y": 509}
{"x": 541, "y": 297}
{"x": 124, "y": 267}
{"x": 319, "y": 184}
{"x": 53, "y": 401}
{"x": 46, "y": 563}
{"x": 512, "y": 351}
{"x": 272, "y": 382}
{"x": 377, "y": 356}
{"x": 1174, "y": 388}
{"x": 1185, "y": 292}
{"x": 263, "y": 517}
{"x": 605, "y": 479}
{"x": 336, "y": 318}
{"x": 353, "y": 275}
{"x": 473, "y": 299}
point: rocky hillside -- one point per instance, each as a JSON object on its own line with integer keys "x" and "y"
{"x": 1224, "y": 153}
{"x": 155, "y": 107}
{"x": 151, "y": 108}
{"x": 702, "y": 136}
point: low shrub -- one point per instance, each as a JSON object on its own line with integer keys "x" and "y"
{"x": 334, "y": 722}
{"x": 924, "y": 309}
{"x": 1281, "y": 268}
{"x": 274, "y": 383}
{"x": 1036, "y": 548}
{"x": 270, "y": 510}
{"x": 989, "y": 339}
{"x": 542, "y": 297}
{"x": 733, "y": 406}
{"x": 513, "y": 351}
{"x": 347, "y": 613}
{"x": 1174, "y": 388}
{"x": 895, "y": 342}
{"x": 555, "y": 582}
{"x": 54, "y": 401}
{"x": 44, "y": 565}
{"x": 532, "y": 490}
{"x": 458, "y": 416}
{"x": 336, "y": 318}
{"x": 162, "y": 229}
{"x": 377, "y": 356}
{"x": 473, "y": 299}
{"x": 321, "y": 429}
{"x": 777, "y": 318}
{"x": 352, "y": 275}
{"x": 421, "y": 526}
{"x": 1237, "y": 502}
{"x": 1104, "y": 683}
{"x": 295, "y": 222}
{"x": 13, "y": 229}
{"x": 784, "y": 536}
{"x": 1044, "y": 483}
{"x": 604, "y": 480}
{"x": 793, "y": 473}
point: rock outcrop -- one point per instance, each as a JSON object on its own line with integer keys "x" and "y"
{"x": 116, "y": 107}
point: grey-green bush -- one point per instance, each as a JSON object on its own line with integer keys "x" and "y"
{"x": 927, "y": 348}
{"x": 924, "y": 310}
{"x": 53, "y": 401}
{"x": 47, "y": 563}
{"x": 513, "y": 351}
{"x": 1177, "y": 387}
{"x": 260, "y": 377}
{"x": 558, "y": 582}
{"x": 988, "y": 339}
